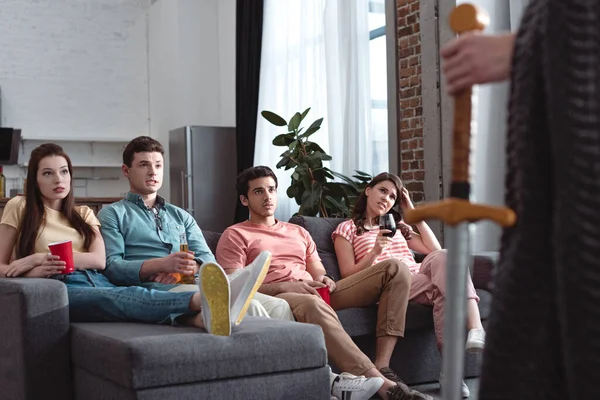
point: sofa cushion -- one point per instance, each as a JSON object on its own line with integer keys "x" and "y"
{"x": 212, "y": 239}
{"x": 320, "y": 230}
{"x": 144, "y": 355}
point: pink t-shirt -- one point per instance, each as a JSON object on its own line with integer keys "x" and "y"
{"x": 290, "y": 245}
{"x": 364, "y": 243}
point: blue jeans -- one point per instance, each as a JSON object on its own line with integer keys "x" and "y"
{"x": 92, "y": 298}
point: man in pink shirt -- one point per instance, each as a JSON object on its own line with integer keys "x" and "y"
{"x": 296, "y": 272}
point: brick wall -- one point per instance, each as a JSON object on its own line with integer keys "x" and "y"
{"x": 410, "y": 99}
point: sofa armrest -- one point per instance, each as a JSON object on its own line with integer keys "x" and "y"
{"x": 484, "y": 264}
{"x": 34, "y": 340}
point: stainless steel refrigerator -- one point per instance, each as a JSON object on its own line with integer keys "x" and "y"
{"x": 203, "y": 170}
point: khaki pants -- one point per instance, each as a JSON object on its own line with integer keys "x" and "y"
{"x": 387, "y": 283}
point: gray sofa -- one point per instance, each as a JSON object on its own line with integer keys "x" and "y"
{"x": 44, "y": 356}
{"x": 416, "y": 358}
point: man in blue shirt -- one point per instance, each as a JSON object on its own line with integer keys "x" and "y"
{"x": 142, "y": 233}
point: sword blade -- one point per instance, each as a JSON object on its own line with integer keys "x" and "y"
{"x": 459, "y": 260}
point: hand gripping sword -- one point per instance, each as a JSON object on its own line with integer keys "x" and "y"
{"x": 457, "y": 211}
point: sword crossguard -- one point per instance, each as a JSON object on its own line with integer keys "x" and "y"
{"x": 454, "y": 211}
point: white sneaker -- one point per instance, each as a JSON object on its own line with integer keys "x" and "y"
{"x": 245, "y": 284}
{"x": 350, "y": 387}
{"x": 215, "y": 298}
{"x": 475, "y": 341}
{"x": 464, "y": 389}
{"x": 224, "y": 303}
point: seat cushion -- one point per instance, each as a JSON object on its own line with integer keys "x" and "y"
{"x": 143, "y": 355}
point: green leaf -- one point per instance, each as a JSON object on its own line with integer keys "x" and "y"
{"x": 312, "y": 146}
{"x": 284, "y": 139}
{"x": 319, "y": 175}
{"x": 315, "y": 160}
{"x": 306, "y": 181}
{"x": 311, "y": 201}
{"x": 292, "y": 145}
{"x": 320, "y": 156}
{"x": 315, "y": 126}
{"x": 295, "y": 122}
{"x": 292, "y": 191}
{"x": 299, "y": 193}
{"x": 362, "y": 179}
{"x": 304, "y": 114}
{"x": 296, "y": 175}
{"x": 345, "y": 178}
{"x": 337, "y": 206}
{"x": 363, "y": 173}
{"x": 283, "y": 162}
{"x": 273, "y": 118}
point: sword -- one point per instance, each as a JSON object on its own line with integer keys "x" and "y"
{"x": 457, "y": 211}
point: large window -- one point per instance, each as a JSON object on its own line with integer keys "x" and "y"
{"x": 378, "y": 83}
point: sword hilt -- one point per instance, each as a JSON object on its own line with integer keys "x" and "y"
{"x": 454, "y": 211}
{"x": 464, "y": 18}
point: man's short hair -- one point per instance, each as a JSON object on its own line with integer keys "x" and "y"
{"x": 141, "y": 144}
{"x": 249, "y": 174}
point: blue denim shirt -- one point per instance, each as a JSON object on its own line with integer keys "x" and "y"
{"x": 133, "y": 235}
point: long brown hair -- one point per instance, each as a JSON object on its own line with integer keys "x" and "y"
{"x": 359, "y": 212}
{"x": 33, "y": 218}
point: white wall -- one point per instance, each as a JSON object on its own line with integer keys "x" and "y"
{"x": 192, "y": 66}
{"x": 74, "y": 68}
{"x": 119, "y": 68}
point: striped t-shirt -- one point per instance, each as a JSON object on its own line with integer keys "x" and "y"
{"x": 364, "y": 243}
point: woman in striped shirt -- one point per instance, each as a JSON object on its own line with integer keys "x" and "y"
{"x": 360, "y": 244}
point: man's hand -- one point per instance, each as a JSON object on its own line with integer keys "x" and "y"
{"x": 166, "y": 278}
{"x": 473, "y": 58}
{"x": 180, "y": 262}
{"x": 26, "y": 264}
{"x": 330, "y": 283}
{"x": 304, "y": 287}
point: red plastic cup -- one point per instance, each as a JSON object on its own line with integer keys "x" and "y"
{"x": 65, "y": 251}
{"x": 324, "y": 293}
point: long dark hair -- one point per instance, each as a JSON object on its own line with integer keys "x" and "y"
{"x": 359, "y": 212}
{"x": 33, "y": 218}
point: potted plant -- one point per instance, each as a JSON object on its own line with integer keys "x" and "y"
{"x": 313, "y": 186}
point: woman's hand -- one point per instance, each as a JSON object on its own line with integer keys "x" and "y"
{"x": 50, "y": 266}
{"x": 405, "y": 201}
{"x": 382, "y": 242}
{"x": 25, "y": 264}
